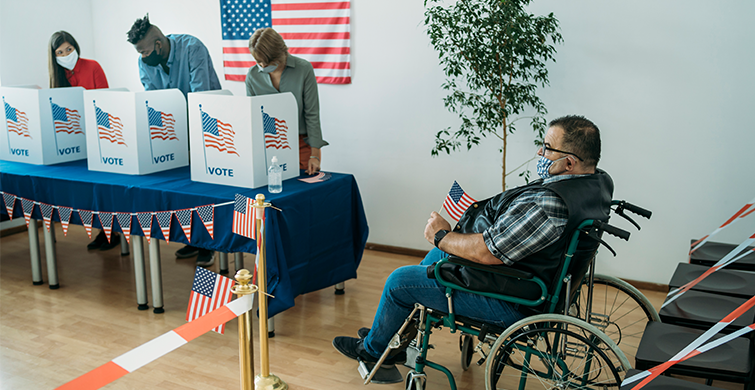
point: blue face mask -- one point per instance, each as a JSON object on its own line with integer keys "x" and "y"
{"x": 544, "y": 166}
{"x": 267, "y": 69}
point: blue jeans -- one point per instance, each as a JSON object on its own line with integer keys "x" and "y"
{"x": 409, "y": 285}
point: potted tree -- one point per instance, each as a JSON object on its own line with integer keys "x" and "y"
{"x": 494, "y": 54}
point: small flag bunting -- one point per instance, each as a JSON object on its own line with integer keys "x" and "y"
{"x": 10, "y": 201}
{"x": 207, "y": 215}
{"x": 46, "y": 214}
{"x": 86, "y": 219}
{"x": 163, "y": 219}
{"x": 106, "y": 219}
{"x": 243, "y": 216}
{"x": 184, "y": 218}
{"x": 124, "y": 221}
{"x": 28, "y": 208}
{"x": 145, "y": 221}
{"x": 65, "y": 217}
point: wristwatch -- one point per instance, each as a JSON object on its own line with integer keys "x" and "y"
{"x": 439, "y": 236}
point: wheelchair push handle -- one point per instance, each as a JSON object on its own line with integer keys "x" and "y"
{"x": 638, "y": 210}
{"x": 613, "y": 230}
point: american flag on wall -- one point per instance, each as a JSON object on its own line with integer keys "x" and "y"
{"x": 161, "y": 125}
{"x": 209, "y": 292}
{"x": 110, "y": 127}
{"x": 217, "y": 134}
{"x": 65, "y": 120}
{"x": 16, "y": 120}
{"x": 276, "y": 132}
{"x": 457, "y": 201}
{"x": 318, "y": 31}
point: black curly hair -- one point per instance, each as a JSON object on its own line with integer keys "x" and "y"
{"x": 138, "y": 30}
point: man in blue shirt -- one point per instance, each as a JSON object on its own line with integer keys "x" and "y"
{"x": 174, "y": 61}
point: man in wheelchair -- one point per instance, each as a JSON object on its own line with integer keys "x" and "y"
{"x": 525, "y": 228}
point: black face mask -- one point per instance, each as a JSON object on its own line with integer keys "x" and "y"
{"x": 153, "y": 59}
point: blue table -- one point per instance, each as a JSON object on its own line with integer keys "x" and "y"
{"x": 316, "y": 241}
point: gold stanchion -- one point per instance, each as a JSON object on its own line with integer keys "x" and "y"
{"x": 265, "y": 380}
{"x": 246, "y": 342}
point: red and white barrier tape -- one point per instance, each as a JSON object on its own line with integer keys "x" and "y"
{"x": 158, "y": 347}
{"x": 748, "y": 209}
{"x": 696, "y": 347}
{"x": 725, "y": 261}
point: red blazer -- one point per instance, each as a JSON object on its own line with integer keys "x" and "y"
{"x": 87, "y": 74}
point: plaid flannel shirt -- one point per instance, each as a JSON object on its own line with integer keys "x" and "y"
{"x": 534, "y": 220}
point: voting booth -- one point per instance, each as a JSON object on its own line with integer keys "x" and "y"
{"x": 43, "y": 126}
{"x": 233, "y": 138}
{"x": 136, "y": 133}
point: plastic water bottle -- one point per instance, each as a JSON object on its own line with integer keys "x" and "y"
{"x": 274, "y": 177}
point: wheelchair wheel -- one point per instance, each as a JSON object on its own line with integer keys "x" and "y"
{"x": 619, "y": 310}
{"x": 553, "y": 351}
{"x": 467, "y": 350}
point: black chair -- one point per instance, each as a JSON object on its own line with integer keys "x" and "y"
{"x": 733, "y": 283}
{"x": 666, "y": 383}
{"x": 711, "y": 252}
{"x": 730, "y": 362}
{"x": 701, "y": 310}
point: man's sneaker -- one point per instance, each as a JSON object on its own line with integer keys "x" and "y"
{"x": 115, "y": 240}
{"x": 186, "y": 252}
{"x": 205, "y": 258}
{"x": 353, "y": 348}
{"x": 362, "y": 332}
{"x": 98, "y": 241}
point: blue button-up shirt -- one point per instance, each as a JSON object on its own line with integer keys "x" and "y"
{"x": 189, "y": 64}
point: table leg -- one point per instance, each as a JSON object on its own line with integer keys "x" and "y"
{"x": 271, "y": 327}
{"x": 156, "y": 273}
{"x": 238, "y": 261}
{"x": 36, "y": 261}
{"x": 52, "y": 266}
{"x": 340, "y": 288}
{"x": 140, "y": 275}
{"x": 124, "y": 245}
{"x": 223, "y": 259}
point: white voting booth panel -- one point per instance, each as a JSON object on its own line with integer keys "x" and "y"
{"x": 43, "y": 126}
{"x": 136, "y": 133}
{"x": 234, "y": 138}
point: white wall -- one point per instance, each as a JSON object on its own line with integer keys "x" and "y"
{"x": 669, "y": 84}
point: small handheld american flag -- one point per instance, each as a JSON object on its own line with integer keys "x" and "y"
{"x": 457, "y": 202}
{"x": 209, "y": 292}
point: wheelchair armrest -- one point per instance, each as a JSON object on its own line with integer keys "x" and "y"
{"x": 496, "y": 269}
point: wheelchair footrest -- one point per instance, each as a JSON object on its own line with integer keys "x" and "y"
{"x": 385, "y": 373}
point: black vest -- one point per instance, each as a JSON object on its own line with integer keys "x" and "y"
{"x": 587, "y": 197}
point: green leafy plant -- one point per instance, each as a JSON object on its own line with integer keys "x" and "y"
{"x": 494, "y": 55}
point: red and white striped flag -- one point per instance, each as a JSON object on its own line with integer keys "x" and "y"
{"x": 318, "y": 31}
{"x": 243, "y": 216}
{"x": 457, "y": 202}
{"x": 209, "y": 292}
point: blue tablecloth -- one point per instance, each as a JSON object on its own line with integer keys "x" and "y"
{"x": 316, "y": 241}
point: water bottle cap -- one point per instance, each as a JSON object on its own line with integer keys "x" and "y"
{"x": 275, "y": 159}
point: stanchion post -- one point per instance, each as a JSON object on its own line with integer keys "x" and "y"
{"x": 246, "y": 341}
{"x": 266, "y": 380}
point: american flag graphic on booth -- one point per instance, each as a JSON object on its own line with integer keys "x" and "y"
{"x": 65, "y": 120}
{"x": 109, "y": 127}
{"x": 457, "y": 201}
{"x": 16, "y": 120}
{"x": 209, "y": 292}
{"x": 217, "y": 134}
{"x": 276, "y": 132}
{"x": 161, "y": 125}
{"x": 317, "y": 31}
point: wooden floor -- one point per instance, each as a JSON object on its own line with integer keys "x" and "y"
{"x": 49, "y": 337}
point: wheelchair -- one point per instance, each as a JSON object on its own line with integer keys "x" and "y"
{"x": 567, "y": 343}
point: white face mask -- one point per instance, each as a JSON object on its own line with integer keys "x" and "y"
{"x": 69, "y": 61}
{"x": 267, "y": 69}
